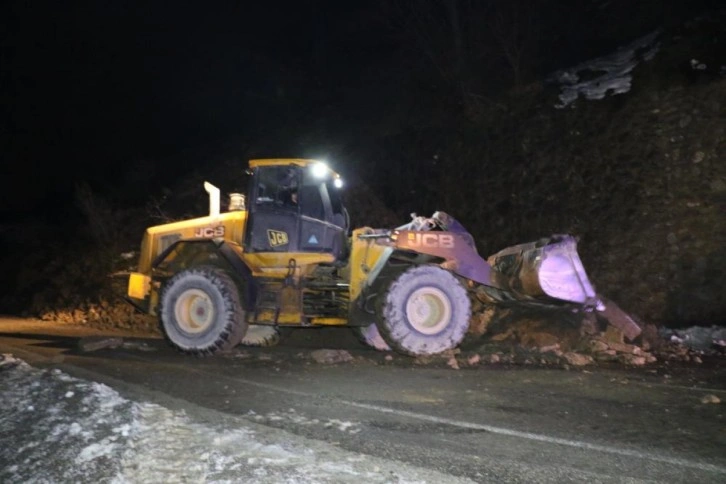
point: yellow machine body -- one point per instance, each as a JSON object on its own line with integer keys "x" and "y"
{"x": 274, "y": 270}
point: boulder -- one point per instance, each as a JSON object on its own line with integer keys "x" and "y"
{"x": 577, "y": 359}
{"x": 331, "y": 356}
{"x": 95, "y": 343}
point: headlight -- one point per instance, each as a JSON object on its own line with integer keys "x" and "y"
{"x": 320, "y": 170}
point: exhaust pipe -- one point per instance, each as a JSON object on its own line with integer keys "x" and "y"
{"x": 213, "y": 199}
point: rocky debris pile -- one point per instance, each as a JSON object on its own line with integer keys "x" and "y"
{"x": 105, "y": 315}
{"x": 610, "y": 345}
{"x": 603, "y": 348}
{"x": 568, "y": 339}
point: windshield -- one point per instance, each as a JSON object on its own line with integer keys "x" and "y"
{"x": 278, "y": 186}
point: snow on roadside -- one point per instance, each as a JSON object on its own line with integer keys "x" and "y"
{"x": 298, "y": 419}
{"x": 57, "y": 428}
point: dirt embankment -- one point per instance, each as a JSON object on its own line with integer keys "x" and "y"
{"x": 662, "y": 255}
{"x": 639, "y": 178}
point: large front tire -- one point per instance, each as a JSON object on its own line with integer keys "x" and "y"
{"x": 425, "y": 311}
{"x": 201, "y": 312}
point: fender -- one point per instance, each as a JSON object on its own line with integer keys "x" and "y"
{"x": 186, "y": 253}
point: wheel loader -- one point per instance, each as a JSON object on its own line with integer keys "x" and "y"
{"x": 284, "y": 255}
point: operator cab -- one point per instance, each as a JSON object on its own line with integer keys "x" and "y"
{"x": 295, "y": 206}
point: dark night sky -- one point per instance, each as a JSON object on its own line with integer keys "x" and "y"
{"x": 104, "y": 91}
{"x": 92, "y": 87}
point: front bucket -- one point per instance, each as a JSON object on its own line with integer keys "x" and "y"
{"x": 548, "y": 271}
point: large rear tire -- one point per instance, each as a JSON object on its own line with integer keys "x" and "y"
{"x": 370, "y": 336}
{"x": 258, "y": 335}
{"x": 201, "y": 312}
{"x": 425, "y": 311}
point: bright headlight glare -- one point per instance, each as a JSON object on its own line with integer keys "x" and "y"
{"x": 338, "y": 183}
{"x": 320, "y": 170}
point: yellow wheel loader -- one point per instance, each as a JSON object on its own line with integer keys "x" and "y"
{"x": 284, "y": 256}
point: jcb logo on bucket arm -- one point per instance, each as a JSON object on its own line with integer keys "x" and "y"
{"x": 427, "y": 239}
{"x": 277, "y": 238}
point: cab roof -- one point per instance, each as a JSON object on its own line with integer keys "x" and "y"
{"x": 289, "y": 161}
{"x": 282, "y": 162}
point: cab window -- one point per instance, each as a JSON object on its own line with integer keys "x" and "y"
{"x": 277, "y": 186}
{"x": 311, "y": 196}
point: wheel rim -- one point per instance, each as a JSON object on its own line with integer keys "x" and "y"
{"x": 194, "y": 311}
{"x": 428, "y": 310}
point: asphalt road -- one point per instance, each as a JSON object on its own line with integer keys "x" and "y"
{"x": 490, "y": 423}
